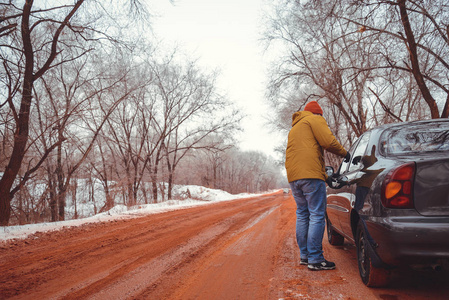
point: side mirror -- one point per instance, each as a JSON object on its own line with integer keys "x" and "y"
{"x": 330, "y": 175}
{"x": 339, "y": 182}
{"x": 333, "y": 180}
{"x": 342, "y": 181}
{"x": 356, "y": 160}
{"x": 329, "y": 171}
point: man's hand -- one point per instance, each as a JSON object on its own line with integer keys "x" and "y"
{"x": 347, "y": 157}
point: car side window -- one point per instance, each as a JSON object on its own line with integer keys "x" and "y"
{"x": 356, "y": 158}
{"x": 344, "y": 165}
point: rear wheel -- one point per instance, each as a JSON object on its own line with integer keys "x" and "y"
{"x": 371, "y": 276}
{"x": 334, "y": 237}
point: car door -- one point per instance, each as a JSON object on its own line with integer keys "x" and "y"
{"x": 336, "y": 198}
{"x": 352, "y": 173}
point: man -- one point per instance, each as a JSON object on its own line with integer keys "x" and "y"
{"x": 304, "y": 163}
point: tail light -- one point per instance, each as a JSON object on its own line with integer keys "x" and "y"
{"x": 397, "y": 188}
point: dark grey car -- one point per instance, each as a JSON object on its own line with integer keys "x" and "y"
{"x": 392, "y": 198}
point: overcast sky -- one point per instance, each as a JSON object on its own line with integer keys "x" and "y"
{"x": 225, "y": 34}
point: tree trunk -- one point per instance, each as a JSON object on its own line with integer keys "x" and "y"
{"x": 109, "y": 200}
{"x": 22, "y": 121}
{"x": 53, "y": 200}
{"x": 74, "y": 190}
{"x": 445, "y": 112}
{"x": 154, "y": 172}
{"x": 20, "y": 212}
{"x": 214, "y": 182}
{"x": 135, "y": 191}
{"x": 170, "y": 169}
{"x": 92, "y": 195}
{"x": 61, "y": 203}
{"x": 21, "y": 134}
{"x": 170, "y": 186}
{"x": 154, "y": 183}
{"x": 60, "y": 176}
{"x": 413, "y": 53}
{"x": 144, "y": 192}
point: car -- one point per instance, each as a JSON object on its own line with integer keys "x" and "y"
{"x": 391, "y": 199}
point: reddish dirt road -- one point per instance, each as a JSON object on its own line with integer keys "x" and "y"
{"x": 241, "y": 249}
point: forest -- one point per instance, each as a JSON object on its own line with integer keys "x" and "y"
{"x": 86, "y": 96}
{"x": 366, "y": 62}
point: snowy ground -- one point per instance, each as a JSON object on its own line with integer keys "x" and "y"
{"x": 206, "y": 196}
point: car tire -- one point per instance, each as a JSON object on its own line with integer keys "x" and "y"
{"x": 371, "y": 276}
{"x": 334, "y": 238}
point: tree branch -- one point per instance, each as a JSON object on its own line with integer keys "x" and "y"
{"x": 28, "y": 173}
{"x": 384, "y": 106}
{"x": 53, "y": 52}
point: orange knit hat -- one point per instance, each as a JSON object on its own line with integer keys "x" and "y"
{"x": 313, "y": 107}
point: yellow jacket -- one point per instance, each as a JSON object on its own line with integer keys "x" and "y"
{"x": 306, "y": 140}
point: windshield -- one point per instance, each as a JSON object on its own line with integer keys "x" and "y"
{"x": 416, "y": 138}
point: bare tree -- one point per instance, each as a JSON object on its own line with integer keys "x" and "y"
{"x": 102, "y": 168}
{"x": 128, "y": 136}
{"x": 28, "y": 74}
{"x": 34, "y": 40}
{"x": 247, "y": 171}
{"x": 418, "y": 32}
{"x": 375, "y": 61}
{"x": 190, "y": 108}
{"x": 319, "y": 64}
{"x": 200, "y": 115}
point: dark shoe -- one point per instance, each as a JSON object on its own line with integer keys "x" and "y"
{"x": 303, "y": 261}
{"x": 324, "y": 265}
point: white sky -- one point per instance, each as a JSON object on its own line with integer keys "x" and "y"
{"x": 225, "y": 34}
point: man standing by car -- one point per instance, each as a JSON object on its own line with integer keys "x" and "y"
{"x": 304, "y": 163}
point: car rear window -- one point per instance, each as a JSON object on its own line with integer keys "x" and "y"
{"x": 416, "y": 138}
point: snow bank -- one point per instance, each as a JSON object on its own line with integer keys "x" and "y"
{"x": 198, "y": 196}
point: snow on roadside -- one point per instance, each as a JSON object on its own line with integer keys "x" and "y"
{"x": 198, "y": 196}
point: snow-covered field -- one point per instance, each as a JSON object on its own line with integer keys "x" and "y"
{"x": 206, "y": 196}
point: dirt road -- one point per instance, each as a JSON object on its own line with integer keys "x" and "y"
{"x": 241, "y": 249}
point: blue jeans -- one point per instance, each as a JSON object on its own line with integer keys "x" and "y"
{"x": 310, "y": 198}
